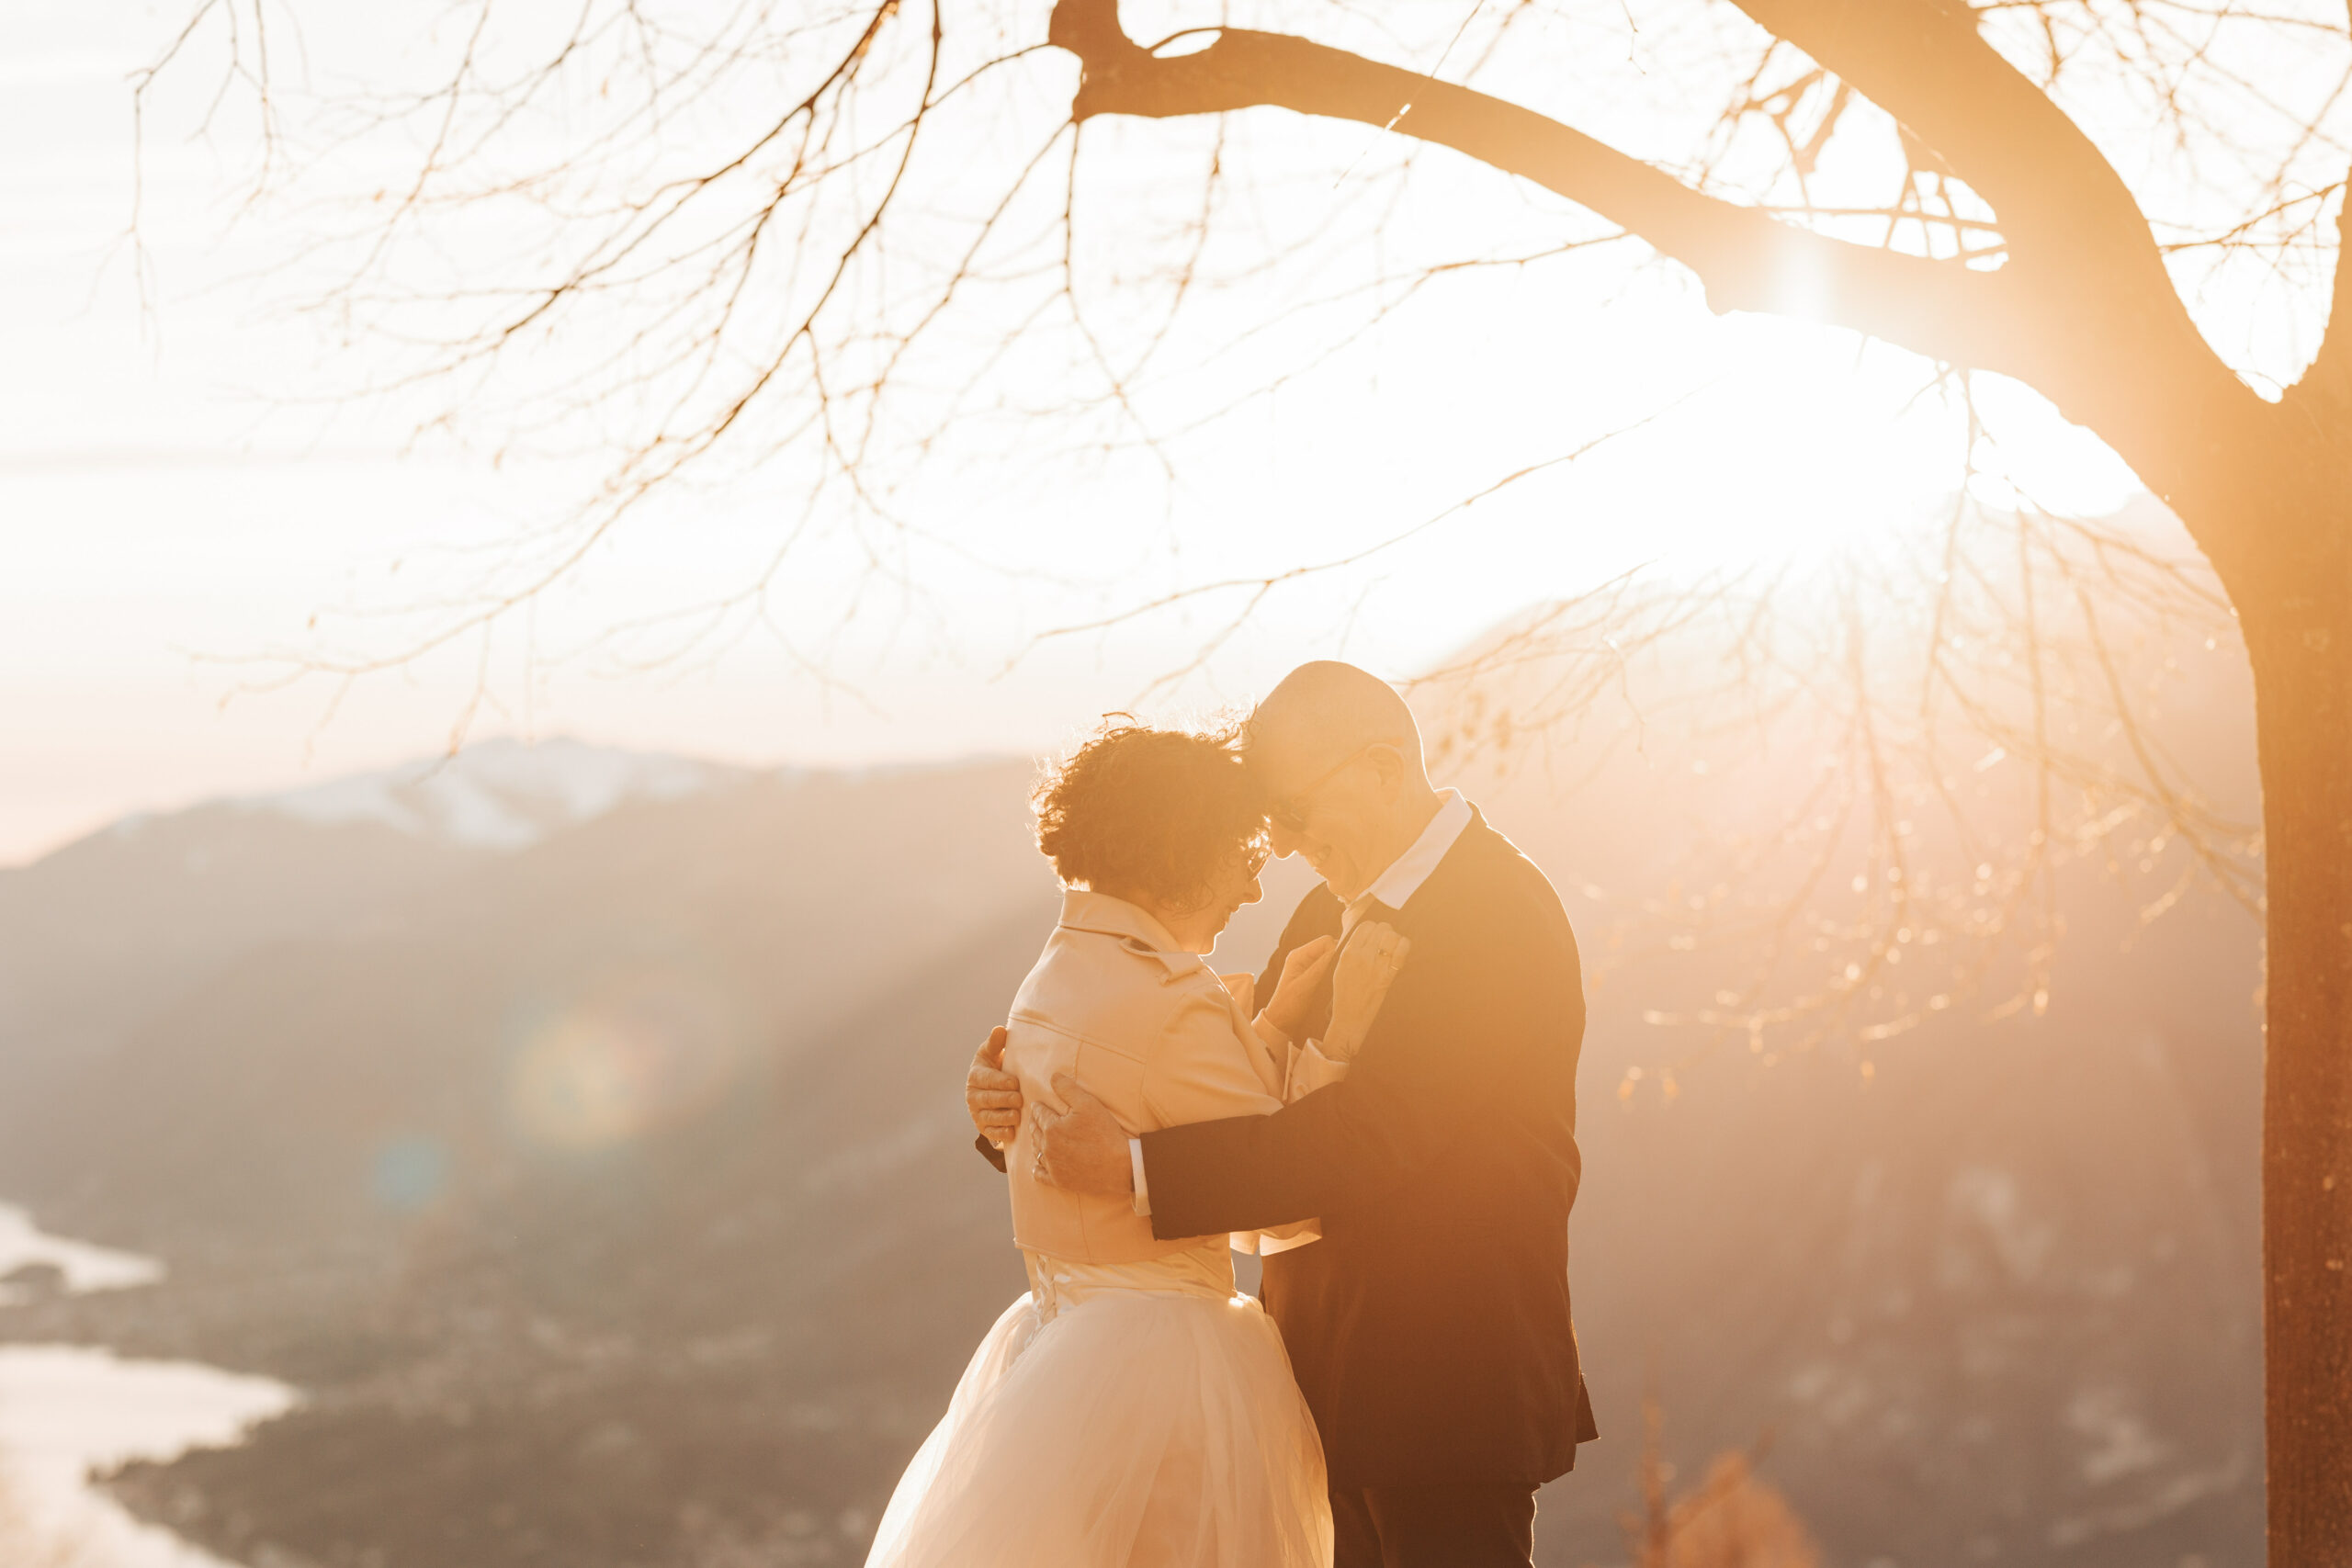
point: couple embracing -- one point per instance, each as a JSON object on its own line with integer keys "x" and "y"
{"x": 1387, "y": 1115}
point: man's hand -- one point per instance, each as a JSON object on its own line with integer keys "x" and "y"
{"x": 1084, "y": 1149}
{"x": 992, "y": 1094}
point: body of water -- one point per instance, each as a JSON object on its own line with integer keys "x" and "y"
{"x": 83, "y": 1267}
{"x": 67, "y": 1410}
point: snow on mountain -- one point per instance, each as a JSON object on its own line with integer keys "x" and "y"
{"x": 500, "y": 794}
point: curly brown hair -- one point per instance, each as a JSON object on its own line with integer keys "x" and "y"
{"x": 1156, "y": 812}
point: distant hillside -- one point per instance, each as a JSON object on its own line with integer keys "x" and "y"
{"x": 611, "y": 1197}
{"x": 647, "y": 1137}
{"x": 1996, "y": 1301}
{"x": 474, "y": 1014}
{"x": 502, "y": 793}
{"x": 103, "y": 931}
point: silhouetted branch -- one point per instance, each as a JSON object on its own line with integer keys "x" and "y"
{"x": 1748, "y": 261}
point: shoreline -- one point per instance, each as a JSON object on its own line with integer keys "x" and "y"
{"x": 72, "y": 1414}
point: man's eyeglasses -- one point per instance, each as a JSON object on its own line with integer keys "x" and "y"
{"x": 1289, "y": 813}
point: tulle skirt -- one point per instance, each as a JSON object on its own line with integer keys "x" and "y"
{"x": 1133, "y": 1415}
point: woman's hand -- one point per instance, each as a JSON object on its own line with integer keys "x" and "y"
{"x": 1243, "y": 988}
{"x": 1303, "y": 972}
{"x": 1373, "y": 955}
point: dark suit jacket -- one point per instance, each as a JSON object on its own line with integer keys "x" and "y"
{"x": 1430, "y": 1328}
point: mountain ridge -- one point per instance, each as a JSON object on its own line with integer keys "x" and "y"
{"x": 611, "y": 1197}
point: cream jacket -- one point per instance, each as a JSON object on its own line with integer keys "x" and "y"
{"x": 1152, "y": 1033}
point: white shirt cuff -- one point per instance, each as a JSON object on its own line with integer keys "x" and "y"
{"x": 1135, "y": 1162}
{"x": 1310, "y": 1069}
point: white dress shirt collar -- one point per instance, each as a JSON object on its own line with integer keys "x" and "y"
{"x": 1409, "y": 870}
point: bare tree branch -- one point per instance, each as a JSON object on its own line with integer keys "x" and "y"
{"x": 1748, "y": 261}
{"x": 1925, "y": 61}
{"x": 2107, "y": 338}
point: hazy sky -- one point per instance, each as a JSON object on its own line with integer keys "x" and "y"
{"x": 170, "y": 526}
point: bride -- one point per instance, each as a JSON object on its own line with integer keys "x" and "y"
{"x": 1132, "y": 1411}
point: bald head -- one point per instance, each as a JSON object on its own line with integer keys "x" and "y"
{"x": 1339, "y": 755}
{"x": 1324, "y": 712}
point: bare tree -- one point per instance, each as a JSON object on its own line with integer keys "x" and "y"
{"x": 1731, "y": 1519}
{"x": 1970, "y": 182}
{"x": 1899, "y": 764}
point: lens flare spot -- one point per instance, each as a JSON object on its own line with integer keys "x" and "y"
{"x": 635, "y": 1056}
{"x": 411, "y": 1173}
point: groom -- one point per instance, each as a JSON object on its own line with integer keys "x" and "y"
{"x": 1430, "y": 1328}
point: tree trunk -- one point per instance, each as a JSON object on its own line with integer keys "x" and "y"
{"x": 2298, "y": 627}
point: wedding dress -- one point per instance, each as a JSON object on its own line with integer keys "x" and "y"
{"x": 1119, "y": 1416}
{"x": 1131, "y": 1411}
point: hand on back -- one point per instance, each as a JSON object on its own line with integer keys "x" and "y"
{"x": 1082, "y": 1149}
{"x": 992, "y": 1094}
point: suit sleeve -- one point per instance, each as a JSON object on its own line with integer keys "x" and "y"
{"x": 1486, "y": 1009}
